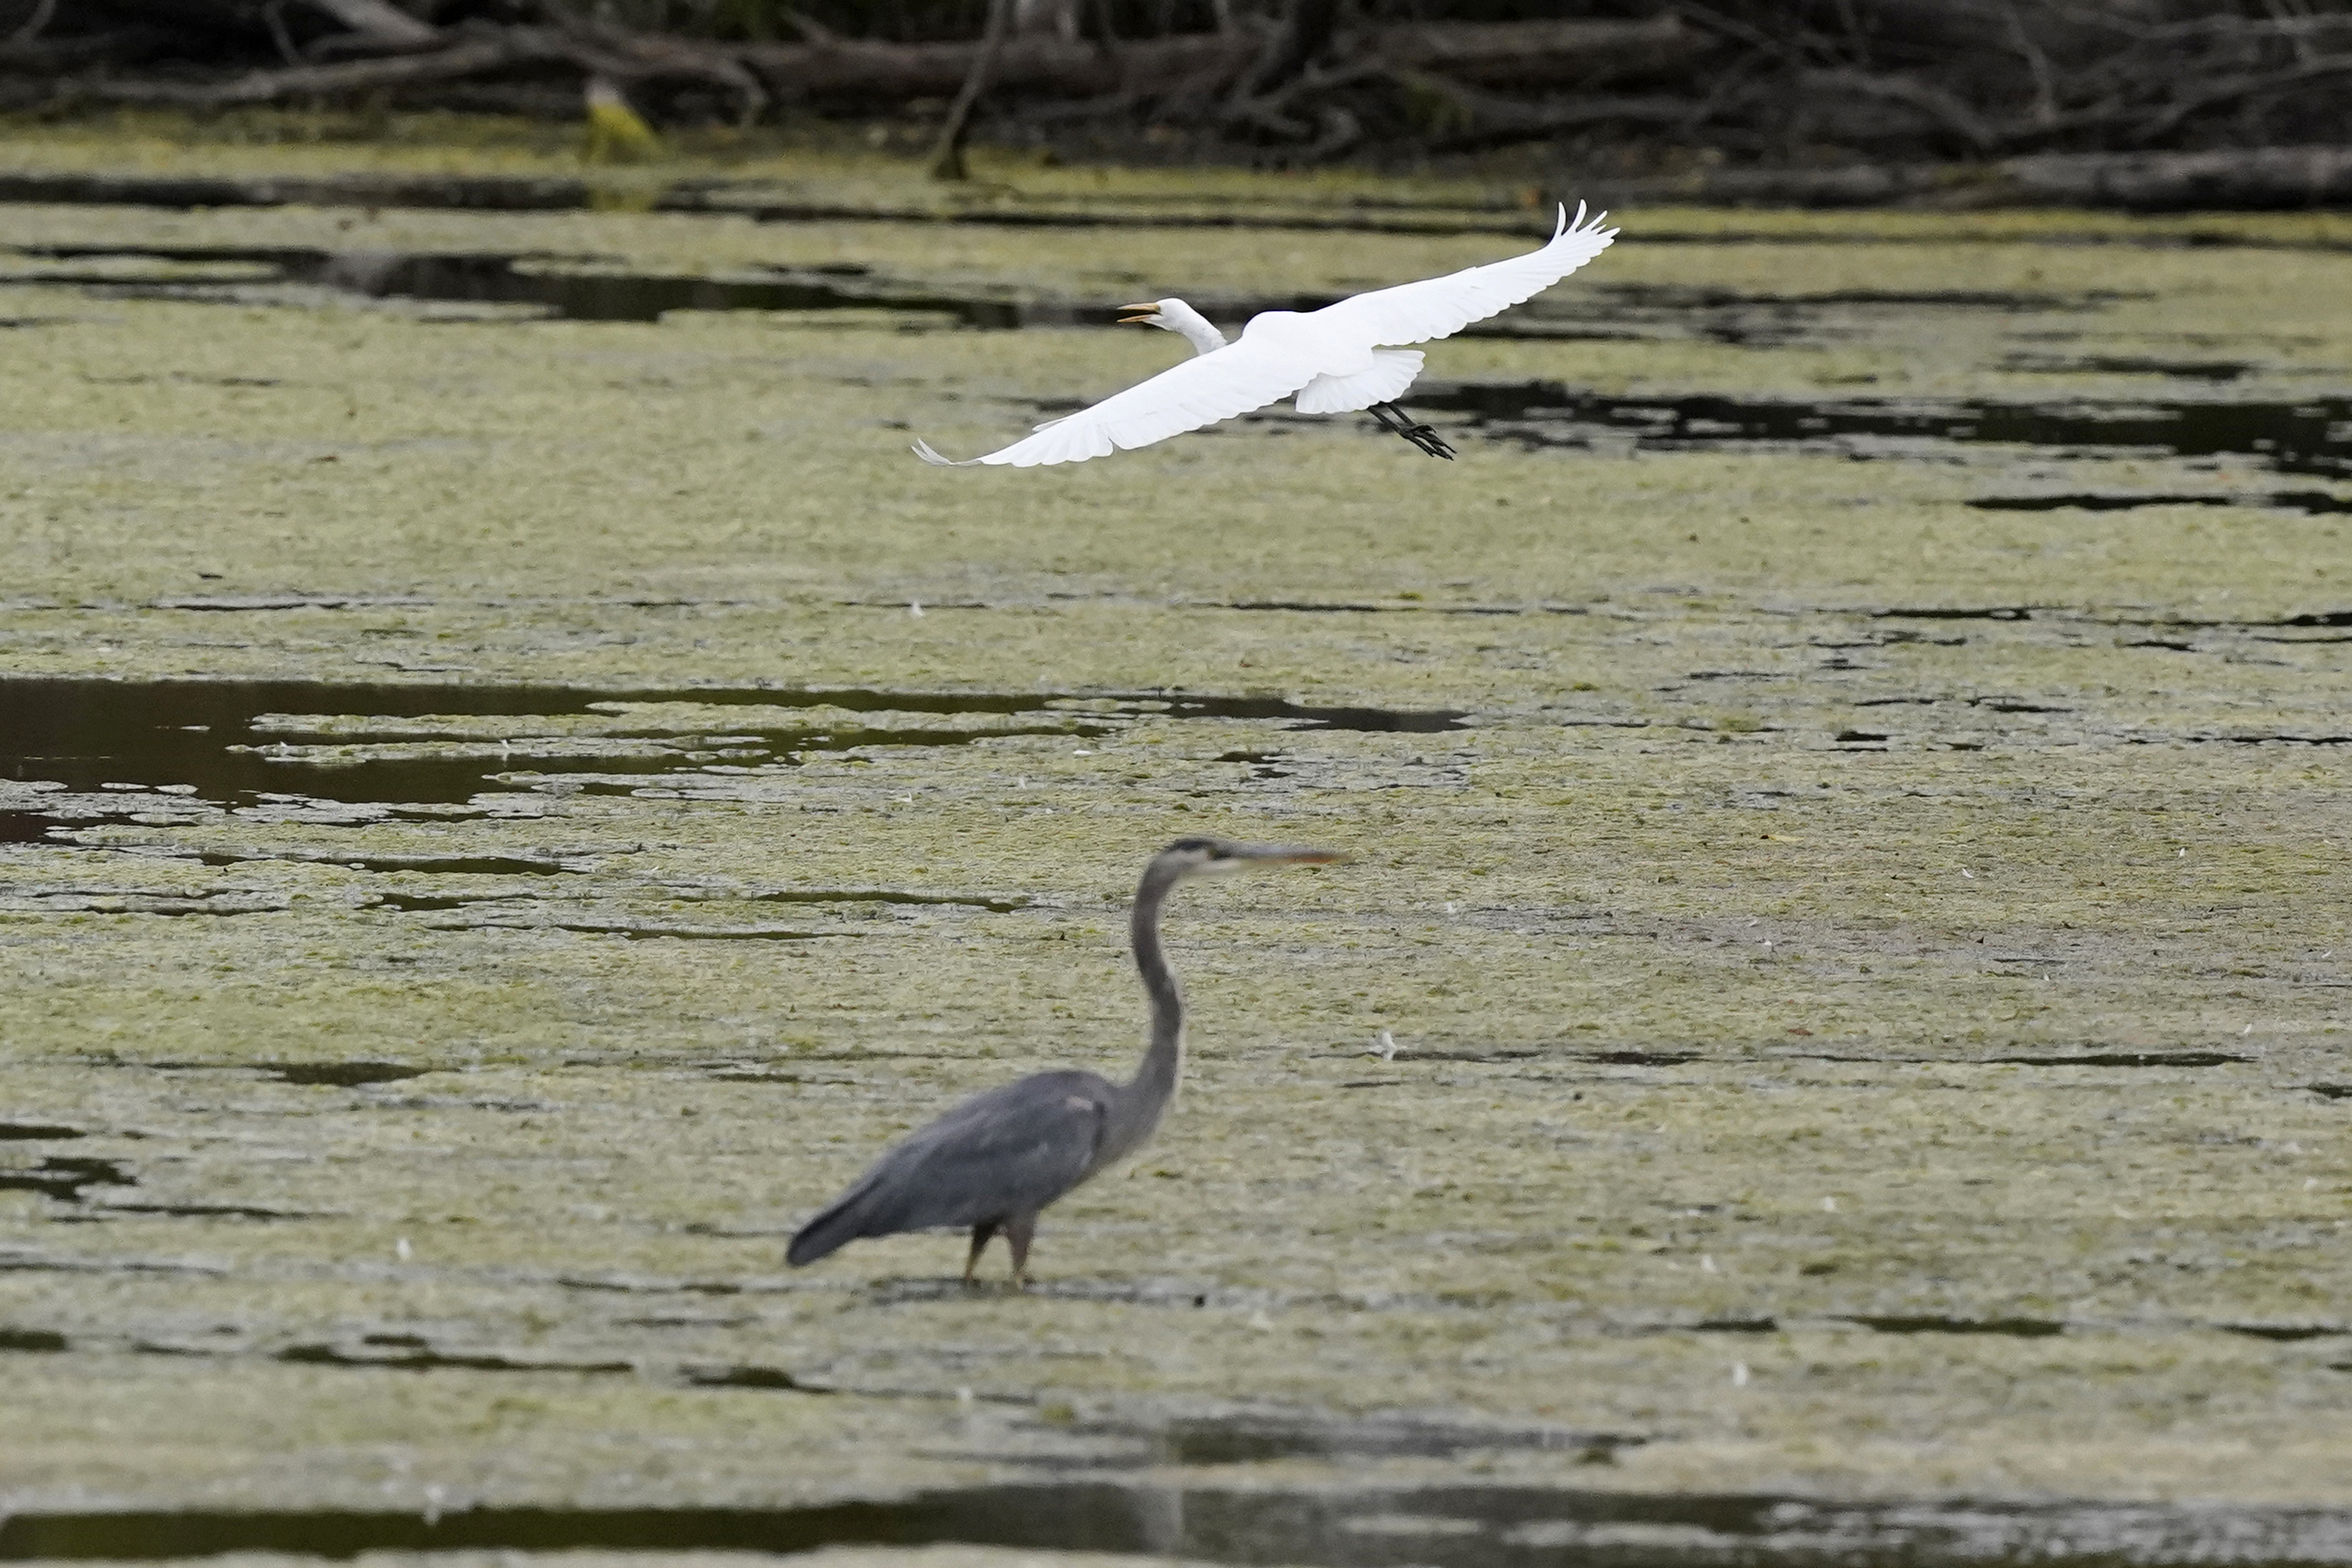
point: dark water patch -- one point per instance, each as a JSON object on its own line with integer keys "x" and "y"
{"x": 211, "y": 1211}
{"x": 1939, "y": 613}
{"x": 65, "y": 1176}
{"x": 1348, "y": 607}
{"x": 1262, "y": 764}
{"x": 2126, "y": 364}
{"x": 87, "y": 733}
{"x": 2331, "y": 1090}
{"x": 437, "y": 865}
{"x": 487, "y": 193}
{"x": 26, "y": 828}
{"x": 39, "y": 1131}
{"x": 636, "y": 1285}
{"x": 1868, "y": 740}
{"x": 1265, "y": 1439}
{"x": 35, "y": 1342}
{"x": 2287, "y": 1333}
{"x": 436, "y": 903}
{"x": 1736, "y": 1326}
{"x": 850, "y": 896}
{"x": 1627, "y": 1058}
{"x": 2278, "y": 740}
{"x": 633, "y": 931}
{"x": 541, "y": 193}
{"x": 342, "y": 1074}
{"x": 2285, "y": 500}
{"x": 2014, "y": 1327}
{"x": 21, "y": 1262}
{"x": 2125, "y": 1059}
{"x": 1465, "y": 1525}
{"x": 2320, "y": 618}
{"x": 616, "y": 295}
{"x": 2310, "y": 437}
{"x": 769, "y": 1377}
{"x": 405, "y": 1353}
{"x": 559, "y": 284}
{"x": 1684, "y": 296}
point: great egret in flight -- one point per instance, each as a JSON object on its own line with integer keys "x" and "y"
{"x": 996, "y": 1160}
{"x": 1339, "y": 359}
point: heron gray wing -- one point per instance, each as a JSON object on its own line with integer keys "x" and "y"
{"x": 1011, "y": 1151}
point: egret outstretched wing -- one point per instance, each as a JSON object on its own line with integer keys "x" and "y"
{"x": 1201, "y": 391}
{"x": 1441, "y": 306}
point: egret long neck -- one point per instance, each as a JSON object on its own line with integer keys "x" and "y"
{"x": 1150, "y": 1092}
{"x": 1192, "y": 326}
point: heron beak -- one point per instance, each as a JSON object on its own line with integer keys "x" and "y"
{"x": 1139, "y": 315}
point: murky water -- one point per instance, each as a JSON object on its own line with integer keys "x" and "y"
{"x": 1447, "y": 1527}
{"x": 1837, "y": 998}
{"x": 239, "y": 742}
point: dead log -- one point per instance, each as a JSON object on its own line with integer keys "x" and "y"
{"x": 1548, "y": 54}
{"x": 503, "y": 50}
{"x": 381, "y": 23}
{"x": 2258, "y": 179}
{"x": 2251, "y": 179}
{"x": 1495, "y": 53}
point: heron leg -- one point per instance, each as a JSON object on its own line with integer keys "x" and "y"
{"x": 1398, "y": 422}
{"x": 1019, "y": 1231}
{"x": 980, "y": 1235}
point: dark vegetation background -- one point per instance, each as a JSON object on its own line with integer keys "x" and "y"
{"x": 1633, "y": 87}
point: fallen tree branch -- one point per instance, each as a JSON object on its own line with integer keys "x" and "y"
{"x": 1929, "y": 100}
{"x": 2263, "y": 179}
{"x": 473, "y": 57}
{"x": 381, "y": 23}
{"x": 2235, "y": 89}
{"x": 1534, "y": 122}
{"x": 947, "y": 155}
{"x": 1553, "y": 53}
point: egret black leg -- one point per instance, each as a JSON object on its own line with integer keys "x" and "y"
{"x": 1397, "y": 421}
{"x": 1019, "y": 1231}
{"x": 980, "y": 1235}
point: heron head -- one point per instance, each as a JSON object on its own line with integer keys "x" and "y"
{"x": 1192, "y": 857}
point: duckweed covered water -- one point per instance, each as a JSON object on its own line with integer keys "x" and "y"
{"x": 1839, "y": 1001}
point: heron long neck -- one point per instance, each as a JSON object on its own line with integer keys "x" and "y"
{"x": 1150, "y": 1092}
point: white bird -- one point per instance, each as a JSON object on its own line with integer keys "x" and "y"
{"x": 1339, "y": 359}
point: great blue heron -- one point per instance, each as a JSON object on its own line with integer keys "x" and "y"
{"x": 996, "y": 1160}
{"x": 1343, "y": 357}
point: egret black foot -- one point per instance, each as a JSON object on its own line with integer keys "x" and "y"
{"x": 1395, "y": 420}
{"x": 1428, "y": 440}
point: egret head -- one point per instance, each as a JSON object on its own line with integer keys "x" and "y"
{"x": 1153, "y": 313}
{"x": 1176, "y": 317}
{"x": 1193, "y": 856}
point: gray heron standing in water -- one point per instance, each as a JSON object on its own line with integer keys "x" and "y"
{"x": 994, "y": 1162}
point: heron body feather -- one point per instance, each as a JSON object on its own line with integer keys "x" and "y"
{"x": 1003, "y": 1154}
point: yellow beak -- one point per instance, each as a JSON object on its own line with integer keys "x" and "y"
{"x": 1139, "y": 315}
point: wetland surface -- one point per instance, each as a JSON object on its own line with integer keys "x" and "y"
{"x": 514, "y": 784}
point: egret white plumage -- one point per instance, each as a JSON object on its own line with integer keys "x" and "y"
{"x": 1339, "y": 358}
